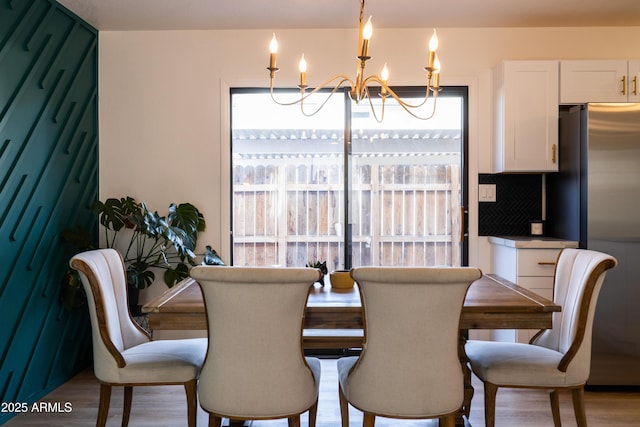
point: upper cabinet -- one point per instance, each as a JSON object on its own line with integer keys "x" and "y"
{"x": 599, "y": 81}
{"x": 526, "y": 116}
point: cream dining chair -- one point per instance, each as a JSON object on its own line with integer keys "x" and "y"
{"x": 409, "y": 366}
{"x": 255, "y": 366}
{"x": 558, "y": 358}
{"x": 123, "y": 353}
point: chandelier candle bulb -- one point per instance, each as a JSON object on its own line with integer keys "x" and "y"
{"x": 436, "y": 74}
{"x": 273, "y": 49}
{"x": 303, "y": 72}
{"x": 367, "y": 32}
{"x": 433, "y": 46}
{"x": 384, "y": 75}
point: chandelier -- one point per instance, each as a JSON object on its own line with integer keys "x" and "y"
{"x": 360, "y": 88}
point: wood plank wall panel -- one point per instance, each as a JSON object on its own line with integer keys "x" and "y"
{"x": 48, "y": 179}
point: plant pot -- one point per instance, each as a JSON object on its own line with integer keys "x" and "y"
{"x": 133, "y": 295}
{"x": 341, "y": 280}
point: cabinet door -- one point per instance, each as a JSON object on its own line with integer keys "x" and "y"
{"x": 633, "y": 84}
{"x": 592, "y": 81}
{"x": 526, "y": 127}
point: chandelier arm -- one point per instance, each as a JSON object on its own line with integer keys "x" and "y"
{"x": 430, "y": 116}
{"x": 334, "y": 90}
{"x": 387, "y": 91}
{"x": 367, "y": 94}
{"x": 308, "y": 94}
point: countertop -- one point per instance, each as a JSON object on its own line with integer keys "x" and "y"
{"x": 532, "y": 242}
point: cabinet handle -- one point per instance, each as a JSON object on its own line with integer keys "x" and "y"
{"x": 624, "y": 85}
{"x": 553, "y": 153}
{"x": 546, "y": 263}
{"x": 635, "y": 85}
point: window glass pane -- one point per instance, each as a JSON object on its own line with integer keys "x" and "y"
{"x": 406, "y": 185}
{"x": 288, "y": 182}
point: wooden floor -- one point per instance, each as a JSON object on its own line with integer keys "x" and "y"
{"x": 165, "y": 406}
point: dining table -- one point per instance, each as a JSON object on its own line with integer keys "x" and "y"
{"x": 333, "y": 318}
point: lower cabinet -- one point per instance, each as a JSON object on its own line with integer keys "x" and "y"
{"x": 529, "y": 263}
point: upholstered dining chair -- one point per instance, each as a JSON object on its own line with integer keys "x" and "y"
{"x": 409, "y": 366}
{"x": 558, "y": 358}
{"x": 255, "y": 367}
{"x": 123, "y": 353}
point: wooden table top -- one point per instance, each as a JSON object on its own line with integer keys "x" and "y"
{"x": 491, "y": 303}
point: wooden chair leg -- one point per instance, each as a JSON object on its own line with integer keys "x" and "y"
{"x": 490, "y": 391}
{"x": 294, "y": 421}
{"x": 369, "y": 420}
{"x": 126, "y": 408}
{"x": 447, "y": 421}
{"x": 192, "y": 402}
{"x": 578, "y": 406}
{"x": 103, "y": 406}
{"x": 554, "y": 397}
{"x": 344, "y": 408}
{"x": 214, "y": 421}
{"x": 313, "y": 414}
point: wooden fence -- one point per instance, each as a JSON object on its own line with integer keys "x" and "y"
{"x": 405, "y": 211}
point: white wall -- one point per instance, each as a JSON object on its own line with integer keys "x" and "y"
{"x": 164, "y": 117}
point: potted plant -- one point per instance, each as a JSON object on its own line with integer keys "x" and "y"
{"x": 320, "y": 265}
{"x": 148, "y": 241}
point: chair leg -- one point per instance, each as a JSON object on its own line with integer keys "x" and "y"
{"x": 344, "y": 408}
{"x": 313, "y": 414}
{"x": 447, "y": 421}
{"x": 554, "y": 397}
{"x": 369, "y": 420}
{"x": 214, "y": 421}
{"x": 578, "y": 406}
{"x": 490, "y": 391}
{"x": 192, "y": 402}
{"x": 103, "y": 406}
{"x": 126, "y": 408}
{"x": 294, "y": 421}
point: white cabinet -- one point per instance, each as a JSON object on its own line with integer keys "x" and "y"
{"x": 526, "y": 116}
{"x": 530, "y": 263}
{"x": 599, "y": 81}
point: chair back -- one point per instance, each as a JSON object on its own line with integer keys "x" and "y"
{"x": 255, "y": 366}
{"x": 409, "y": 365}
{"x": 579, "y": 276}
{"x": 103, "y": 277}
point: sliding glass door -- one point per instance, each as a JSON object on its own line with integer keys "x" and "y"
{"x": 342, "y": 188}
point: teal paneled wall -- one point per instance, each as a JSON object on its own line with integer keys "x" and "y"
{"x": 48, "y": 179}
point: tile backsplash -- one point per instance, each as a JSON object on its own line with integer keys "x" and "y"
{"x": 518, "y": 201}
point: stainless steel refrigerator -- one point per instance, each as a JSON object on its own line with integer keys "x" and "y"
{"x": 595, "y": 199}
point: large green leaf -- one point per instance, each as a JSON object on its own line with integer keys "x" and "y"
{"x": 116, "y": 213}
{"x": 174, "y": 275}
{"x": 152, "y": 224}
{"x": 139, "y": 275}
{"x": 211, "y": 257}
{"x": 187, "y": 217}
